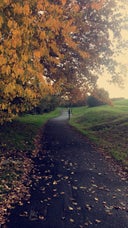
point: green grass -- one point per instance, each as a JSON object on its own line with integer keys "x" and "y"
{"x": 19, "y": 134}
{"x": 106, "y": 126}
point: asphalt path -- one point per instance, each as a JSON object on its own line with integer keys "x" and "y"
{"x": 73, "y": 185}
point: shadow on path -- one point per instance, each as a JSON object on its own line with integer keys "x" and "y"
{"x": 72, "y": 185}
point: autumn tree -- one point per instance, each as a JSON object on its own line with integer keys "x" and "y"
{"x": 20, "y": 69}
{"x": 30, "y": 31}
{"x": 97, "y": 23}
{"x": 46, "y": 46}
{"x": 98, "y": 97}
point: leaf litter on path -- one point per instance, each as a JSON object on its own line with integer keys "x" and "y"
{"x": 82, "y": 195}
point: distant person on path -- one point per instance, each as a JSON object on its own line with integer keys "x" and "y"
{"x": 69, "y": 113}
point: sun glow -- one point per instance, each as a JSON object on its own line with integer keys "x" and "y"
{"x": 120, "y": 55}
{"x": 114, "y": 90}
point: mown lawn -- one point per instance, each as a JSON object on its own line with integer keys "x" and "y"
{"x": 18, "y": 142}
{"x": 19, "y": 134}
{"x": 106, "y": 126}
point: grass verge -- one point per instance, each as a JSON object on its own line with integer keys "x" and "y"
{"x": 107, "y": 127}
{"x": 17, "y": 143}
{"x": 19, "y": 134}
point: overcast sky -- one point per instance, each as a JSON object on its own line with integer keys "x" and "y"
{"x": 115, "y": 91}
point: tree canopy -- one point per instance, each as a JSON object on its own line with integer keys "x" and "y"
{"x": 99, "y": 97}
{"x": 50, "y": 47}
{"x": 30, "y": 30}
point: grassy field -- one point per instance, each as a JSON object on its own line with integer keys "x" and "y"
{"x": 19, "y": 134}
{"x": 18, "y": 140}
{"x": 106, "y": 126}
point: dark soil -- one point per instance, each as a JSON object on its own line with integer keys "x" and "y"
{"x": 73, "y": 185}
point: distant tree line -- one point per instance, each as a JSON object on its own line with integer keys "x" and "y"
{"x": 99, "y": 97}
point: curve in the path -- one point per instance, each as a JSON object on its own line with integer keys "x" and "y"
{"x": 74, "y": 186}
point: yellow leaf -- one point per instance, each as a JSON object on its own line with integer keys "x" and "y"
{"x": 18, "y": 8}
{"x": 97, "y": 5}
{"x": 10, "y": 23}
{"x": 1, "y": 21}
{"x": 7, "y": 1}
{"x": 64, "y": 2}
{"x": 26, "y": 9}
{"x": 42, "y": 35}
{"x": 37, "y": 54}
{"x": 2, "y": 60}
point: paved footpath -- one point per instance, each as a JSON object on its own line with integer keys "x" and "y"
{"x": 73, "y": 186}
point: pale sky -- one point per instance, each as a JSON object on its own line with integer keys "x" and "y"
{"x": 115, "y": 91}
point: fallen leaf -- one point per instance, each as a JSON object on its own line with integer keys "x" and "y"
{"x": 41, "y": 217}
{"x": 54, "y": 182}
{"x": 75, "y": 203}
{"x": 70, "y": 208}
{"x": 66, "y": 177}
{"x": 71, "y": 220}
{"x": 75, "y": 187}
{"x": 96, "y": 199}
{"x": 62, "y": 193}
{"x": 98, "y": 221}
{"x": 88, "y": 207}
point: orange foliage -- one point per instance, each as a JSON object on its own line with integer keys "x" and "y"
{"x": 1, "y": 21}
{"x": 26, "y": 9}
{"x": 30, "y": 31}
{"x": 97, "y": 5}
{"x": 64, "y": 2}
